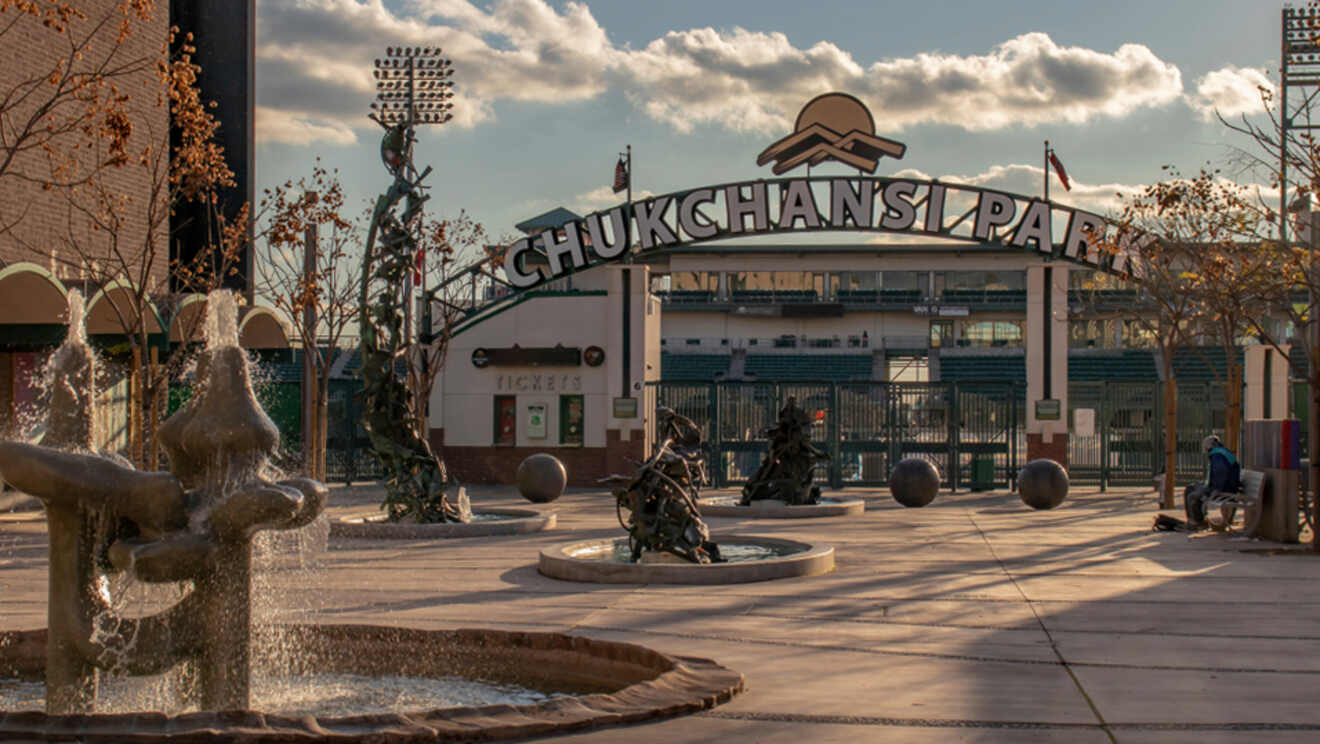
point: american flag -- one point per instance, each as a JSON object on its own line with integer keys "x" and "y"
{"x": 620, "y": 176}
{"x": 1058, "y": 168}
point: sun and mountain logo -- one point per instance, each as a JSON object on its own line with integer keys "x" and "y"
{"x": 832, "y": 126}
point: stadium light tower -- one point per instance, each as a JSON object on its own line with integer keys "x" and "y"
{"x": 413, "y": 86}
{"x": 1299, "y": 70}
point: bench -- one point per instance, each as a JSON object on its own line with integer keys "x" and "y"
{"x": 1248, "y": 499}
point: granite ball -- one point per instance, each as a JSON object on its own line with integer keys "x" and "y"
{"x": 914, "y": 482}
{"x": 1042, "y": 484}
{"x": 542, "y": 478}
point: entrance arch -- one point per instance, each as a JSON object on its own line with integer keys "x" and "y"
{"x": 928, "y": 209}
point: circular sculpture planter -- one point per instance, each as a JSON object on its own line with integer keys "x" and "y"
{"x": 374, "y": 525}
{"x": 624, "y": 684}
{"x": 729, "y": 506}
{"x": 567, "y": 561}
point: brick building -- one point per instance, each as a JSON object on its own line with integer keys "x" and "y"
{"x": 49, "y": 240}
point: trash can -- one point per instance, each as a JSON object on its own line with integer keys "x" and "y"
{"x": 983, "y": 472}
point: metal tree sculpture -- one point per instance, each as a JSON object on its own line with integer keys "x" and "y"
{"x": 413, "y": 87}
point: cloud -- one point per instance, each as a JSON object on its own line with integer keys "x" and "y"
{"x": 754, "y": 81}
{"x": 1230, "y": 91}
{"x": 1019, "y": 178}
{"x": 315, "y": 58}
{"x": 604, "y": 197}
{"x": 295, "y": 128}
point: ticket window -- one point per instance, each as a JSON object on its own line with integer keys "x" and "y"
{"x": 506, "y": 420}
{"x": 571, "y": 418}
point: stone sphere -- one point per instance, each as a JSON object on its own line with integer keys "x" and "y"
{"x": 542, "y": 478}
{"x": 914, "y": 482}
{"x": 1042, "y": 484}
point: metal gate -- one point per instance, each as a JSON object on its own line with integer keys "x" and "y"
{"x": 963, "y": 428}
{"x": 989, "y": 437}
{"x": 974, "y": 432}
{"x": 1124, "y": 443}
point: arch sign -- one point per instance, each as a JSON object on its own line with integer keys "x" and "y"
{"x": 833, "y": 127}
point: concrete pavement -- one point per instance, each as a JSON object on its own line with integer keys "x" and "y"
{"x": 974, "y": 619}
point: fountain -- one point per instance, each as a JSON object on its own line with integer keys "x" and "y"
{"x": 195, "y": 524}
{"x": 782, "y": 487}
{"x": 668, "y": 542}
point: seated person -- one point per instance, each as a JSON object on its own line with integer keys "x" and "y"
{"x": 1223, "y": 473}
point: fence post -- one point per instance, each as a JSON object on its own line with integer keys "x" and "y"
{"x": 1013, "y": 446}
{"x": 716, "y": 456}
{"x": 1157, "y": 431}
{"x": 892, "y": 408}
{"x": 1102, "y": 416}
{"x": 836, "y": 467}
{"x": 953, "y": 435}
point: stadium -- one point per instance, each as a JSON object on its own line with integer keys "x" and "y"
{"x": 976, "y": 328}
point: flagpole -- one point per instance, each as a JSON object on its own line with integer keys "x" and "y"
{"x": 1046, "y": 170}
{"x": 630, "y": 204}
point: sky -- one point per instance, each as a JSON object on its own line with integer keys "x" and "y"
{"x": 548, "y": 93}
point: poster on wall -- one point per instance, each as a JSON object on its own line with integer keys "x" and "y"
{"x": 1084, "y": 422}
{"x": 536, "y": 420}
{"x": 570, "y": 419}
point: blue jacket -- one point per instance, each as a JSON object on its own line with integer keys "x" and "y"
{"x": 1225, "y": 472}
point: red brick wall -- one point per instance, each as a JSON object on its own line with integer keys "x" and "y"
{"x": 585, "y": 465}
{"x": 29, "y": 50}
{"x": 1056, "y": 450}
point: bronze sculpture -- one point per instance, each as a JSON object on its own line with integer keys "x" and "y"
{"x": 789, "y": 466}
{"x": 660, "y": 499}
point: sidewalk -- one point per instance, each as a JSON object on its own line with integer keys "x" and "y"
{"x": 974, "y": 619}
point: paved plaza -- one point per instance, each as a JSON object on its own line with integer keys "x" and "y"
{"x": 974, "y": 619}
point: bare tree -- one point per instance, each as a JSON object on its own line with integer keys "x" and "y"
{"x": 118, "y": 240}
{"x": 1287, "y": 316}
{"x": 319, "y": 294}
{"x": 449, "y": 263}
{"x": 1157, "y": 237}
{"x": 66, "y": 97}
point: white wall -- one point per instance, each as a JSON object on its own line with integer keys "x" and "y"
{"x": 462, "y": 401}
{"x": 1253, "y": 372}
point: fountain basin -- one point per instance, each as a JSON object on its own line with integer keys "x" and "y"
{"x": 829, "y": 506}
{"x": 623, "y": 684}
{"x": 486, "y": 523}
{"x": 589, "y": 561}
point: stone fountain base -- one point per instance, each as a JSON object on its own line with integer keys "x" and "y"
{"x": 829, "y": 506}
{"x": 374, "y": 525}
{"x": 792, "y": 559}
{"x": 625, "y": 684}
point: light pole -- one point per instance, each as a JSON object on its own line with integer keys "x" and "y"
{"x": 413, "y": 87}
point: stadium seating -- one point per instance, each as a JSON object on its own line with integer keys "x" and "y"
{"x": 839, "y": 367}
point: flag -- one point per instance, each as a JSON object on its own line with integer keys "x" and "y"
{"x": 620, "y": 176}
{"x": 1058, "y": 168}
{"x": 419, "y": 265}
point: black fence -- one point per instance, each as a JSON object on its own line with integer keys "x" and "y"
{"x": 974, "y": 432}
